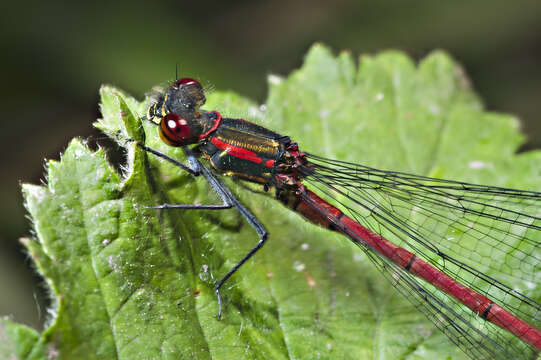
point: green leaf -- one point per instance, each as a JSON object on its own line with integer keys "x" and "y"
{"x": 18, "y": 341}
{"x": 131, "y": 282}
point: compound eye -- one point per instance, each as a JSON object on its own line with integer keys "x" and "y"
{"x": 187, "y": 81}
{"x": 174, "y": 130}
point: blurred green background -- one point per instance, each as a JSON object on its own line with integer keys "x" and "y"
{"x": 55, "y": 55}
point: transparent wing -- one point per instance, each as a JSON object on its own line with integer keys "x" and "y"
{"x": 486, "y": 238}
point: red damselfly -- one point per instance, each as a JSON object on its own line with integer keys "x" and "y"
{"x": 436, "y": 240}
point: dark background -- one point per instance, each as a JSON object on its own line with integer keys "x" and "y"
{"x": 55, "y": 55}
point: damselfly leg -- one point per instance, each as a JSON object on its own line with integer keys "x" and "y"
{"x": 229, "y": 201}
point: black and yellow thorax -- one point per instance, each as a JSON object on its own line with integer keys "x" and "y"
{"x": 245, "y": 150}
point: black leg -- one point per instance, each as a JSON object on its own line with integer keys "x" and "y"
{"x": 192, "y": 167}
{"x": 192, "y": 206}
{"x": 195, "y": 168}
{"x": 222, "y": 190}
{"x": 229, "y": 201}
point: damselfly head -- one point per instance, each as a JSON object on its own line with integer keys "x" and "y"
{"x": 177, "y": 112}
{"x": 183, "y": 97}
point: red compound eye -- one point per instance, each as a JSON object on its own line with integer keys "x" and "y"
{"x": 174, "y": 130}
{"x": 187, "y": 81}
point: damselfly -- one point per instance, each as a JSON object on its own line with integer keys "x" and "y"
{"x": 431, "y": 238}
